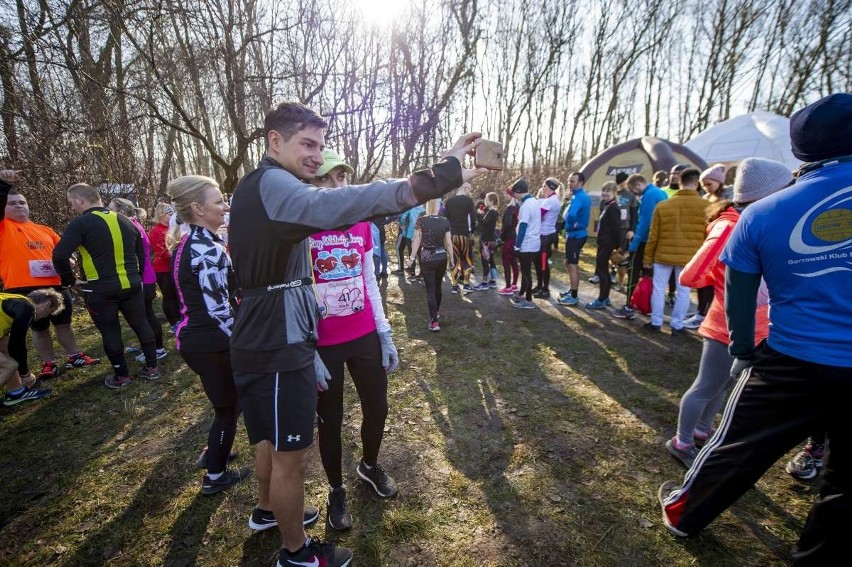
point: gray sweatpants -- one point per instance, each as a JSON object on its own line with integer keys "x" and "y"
{"x": 705, "y": 397}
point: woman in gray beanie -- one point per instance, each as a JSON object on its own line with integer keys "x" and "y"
{"x": 756, "y": 178}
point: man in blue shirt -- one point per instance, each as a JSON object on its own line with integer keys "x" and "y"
{"x": 576, "y": 233}
{"x": 651, "y": 195}
{"x": 799, "y": 380}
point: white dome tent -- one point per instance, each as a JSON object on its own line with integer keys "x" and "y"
{"x": 757, "y": 134}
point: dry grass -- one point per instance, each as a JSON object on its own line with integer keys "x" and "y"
{"x": 517, "y": 438}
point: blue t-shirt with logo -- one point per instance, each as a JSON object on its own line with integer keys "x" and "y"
{"x": 800, "y": 240}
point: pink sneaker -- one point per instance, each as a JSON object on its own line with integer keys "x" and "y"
{"x": 515, "y": 289}
{"x": 506, "y": 291}
{"x": 434, "y": 327}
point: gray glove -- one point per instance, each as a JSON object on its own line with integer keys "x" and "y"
{"x": 323, "y": 375}
{"x": 390, "y": 357}
{"x": 739, "y": 366}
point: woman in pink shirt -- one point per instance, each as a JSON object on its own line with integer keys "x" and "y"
{"x": 354, "y": 332}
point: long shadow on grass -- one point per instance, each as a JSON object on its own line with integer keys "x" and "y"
{"x": 521, "y": 390}
{"x": 154, "y": 498}
{"x": 42, "y": 455}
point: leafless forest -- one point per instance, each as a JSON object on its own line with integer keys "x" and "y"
{"x": 138, "y": 91}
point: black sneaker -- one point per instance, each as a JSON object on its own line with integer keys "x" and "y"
{"x": 315, "y": 554}
{"x": 202, "y": 458}
{"x": 651, "y": 327}
{"x": 337, "y": 513}
{"x": 228, "y": 479}
{"x": 384, "y": 485}
{"x": 262, "y": 520}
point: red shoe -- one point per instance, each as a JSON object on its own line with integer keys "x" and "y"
{"x": 81, "y": 360}
{"x": 49, "y": 370}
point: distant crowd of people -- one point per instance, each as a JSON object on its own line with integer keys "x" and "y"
{"x": 269, "y": 299}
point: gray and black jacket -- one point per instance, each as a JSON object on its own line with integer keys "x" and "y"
{"x": 272, "y": 214}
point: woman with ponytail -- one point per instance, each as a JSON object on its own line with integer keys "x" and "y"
{"x": 204, "y": 282}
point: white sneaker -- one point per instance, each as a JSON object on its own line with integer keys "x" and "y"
{"x": 693, "y": 322}
{"x": 161, "y": 354}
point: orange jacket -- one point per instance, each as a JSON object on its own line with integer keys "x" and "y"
{"x": 706, "y": 269}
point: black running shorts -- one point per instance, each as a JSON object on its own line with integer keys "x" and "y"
{"x": 279, "y": 407}
{"x": 573, "y": 247}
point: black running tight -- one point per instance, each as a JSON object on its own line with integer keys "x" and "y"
{"x": 217, "y": 378}
{"x": 433, "y": 275}
{"x": 156, "y": 326}
{"x": 363, "y": 358}
{"x": 104, "y": 309}
{"x": 171, "y": 308}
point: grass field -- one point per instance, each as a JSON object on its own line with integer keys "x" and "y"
{"x": 517, "y": 438}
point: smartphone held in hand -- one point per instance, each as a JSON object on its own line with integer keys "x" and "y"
{"x": 489, "y": 155}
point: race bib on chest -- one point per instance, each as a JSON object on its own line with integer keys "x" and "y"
{"x": 42, "y": 269}
{"x": 339, "y": 283}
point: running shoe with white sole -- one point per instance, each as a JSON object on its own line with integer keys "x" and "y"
{"x": 663, "y": 493}
{"x": 262, "y": 520}
{"x": 161, "y": 354}
{"x": 28, "y": 395}
{"x": 384, "y": 485}
{"x": 225, "y": 481}
{"x": 316, "y": 554}
{"x": 337, "y": 513}
{"x": 81, "y": 360}
{"x": 685, "y": 454}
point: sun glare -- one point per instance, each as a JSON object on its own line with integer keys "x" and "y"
{"x": 380, "y": 12}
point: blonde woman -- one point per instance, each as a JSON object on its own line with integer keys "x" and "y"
{"x": 433, "y": 245}
{"x": 204, "y": 281}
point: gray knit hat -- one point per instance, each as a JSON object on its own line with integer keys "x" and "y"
{"x": 758, "y": 178}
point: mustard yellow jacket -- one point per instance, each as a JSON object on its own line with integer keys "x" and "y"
{"x": 678, "y": 228}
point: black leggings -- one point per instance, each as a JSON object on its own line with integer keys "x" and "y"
{"x": 156, "y": 326}
{"x": 104, "y": 309}
{"x": 403, "y": 246}
{"x": 171, "y": 308}
{"x": 217, "y": 378}
{"x": 528, "y": 259}
{"x": 543, "y": 276}
{"x": 363, "y": 358}
{"x": 602, "y": 271}
{"x": 433, "y": 274}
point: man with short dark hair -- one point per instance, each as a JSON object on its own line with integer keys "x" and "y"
{"x": 25, "y": 265}
{"x": 277, "y": 370}
{"x": 576, "y": 234}
{"x": 112, "y": 256}
{"x": 677, "y": 232}
{"x": 674, "y": 179}
{"x": 650, "y": 196}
